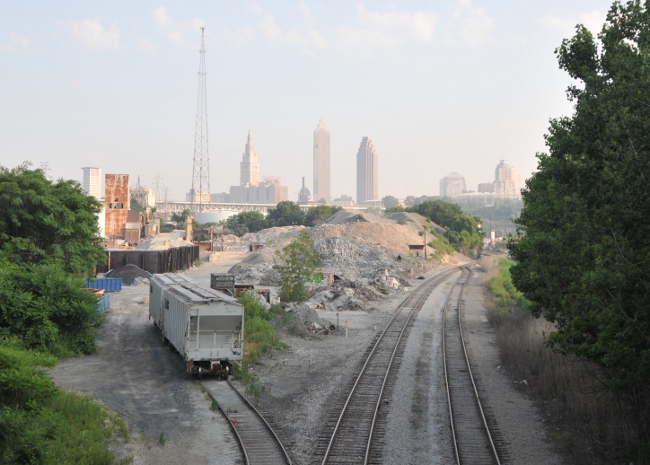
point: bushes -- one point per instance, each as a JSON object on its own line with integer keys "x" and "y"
{"x": 48, "y": 309}
{"x": 463, "y": 232}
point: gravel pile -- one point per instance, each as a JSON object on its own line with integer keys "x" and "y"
{"x": 130, "y": 274}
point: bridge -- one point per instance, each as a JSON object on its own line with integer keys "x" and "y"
{"x": 179, "y": 207}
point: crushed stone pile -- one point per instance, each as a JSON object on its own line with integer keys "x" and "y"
{"x": 394, "y": 232}
{"x": 130, "y": 275}
{"x": 309, "y": 317}
{"x": 268, "y": 237}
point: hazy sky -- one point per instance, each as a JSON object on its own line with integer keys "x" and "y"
{"x": 439, "y": 86}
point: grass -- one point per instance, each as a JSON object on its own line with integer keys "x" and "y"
{"x": 586, "y": 419}
{"x": 161, "y": 438}
{"x": 42, "y": 424}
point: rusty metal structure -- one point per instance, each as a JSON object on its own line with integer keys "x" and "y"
{"x": 117, "y": 203}
{"x": 200, "y": 191}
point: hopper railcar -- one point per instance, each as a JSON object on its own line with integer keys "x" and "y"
{"x": 205, "y": 326}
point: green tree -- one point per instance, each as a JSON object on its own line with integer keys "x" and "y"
{"x": 319, "y": 214}
{"x": 296, "y": 263}
{"x": 463, "y": 232}
{"x": 181, "y": 219}
{"x": 245, "y": 222}
{"x": 137, "y": 206}
{"x": 286, "y": 213}
{"x": 48, "y": 222}
{"x": 389, "y": 201}
{"x": 583, "y": 248}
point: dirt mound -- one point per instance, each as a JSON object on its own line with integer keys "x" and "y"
{"x": 130, "y": 274}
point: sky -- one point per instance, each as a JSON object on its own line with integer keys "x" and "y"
{"x": 439, "y": 86}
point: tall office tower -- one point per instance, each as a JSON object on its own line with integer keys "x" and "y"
{"x": 507, "y": 179}
{"x": 367, "y": 166}
{"x": 250, "y": 167}
{"x": 92, "y": 183}
{"x": 322, "y": 162}
{"x": 452, "y": 185}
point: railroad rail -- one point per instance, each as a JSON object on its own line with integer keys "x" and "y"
{"x": 352, "y": 437}
{"x": 475, "y": 435}
{"x": 259, "y": 443}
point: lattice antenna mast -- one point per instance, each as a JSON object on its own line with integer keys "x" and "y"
{"x": 201, "y": 168}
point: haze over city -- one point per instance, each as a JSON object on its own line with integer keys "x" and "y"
{"x": 449, "y": 87}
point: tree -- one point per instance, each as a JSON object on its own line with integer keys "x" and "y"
{"x": 463, "y": 232}
{"x": 245, "y": 222}
{"x": 389, "y": 201}
{"x": 296, "y": 264}
{"x": 45, "y": 222}
{"x": 286, "y": 213}
{"x": 319, "y": 214}
{"x": 582, "y": 246}
{"x": 181, "y": 219}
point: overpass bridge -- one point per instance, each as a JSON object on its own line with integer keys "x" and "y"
{"x": 179, "y": 207}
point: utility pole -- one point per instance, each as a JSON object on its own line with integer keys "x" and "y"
{"x": 201, "y": 169}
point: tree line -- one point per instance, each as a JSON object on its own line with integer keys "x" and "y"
{"x": 49, "y": 242}
{"x": 286, "y": 213}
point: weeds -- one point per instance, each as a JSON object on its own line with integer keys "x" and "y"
{"x": 259, "y": 339}
{"x": 590, "y": 423}
{"x": 161, "y": 438}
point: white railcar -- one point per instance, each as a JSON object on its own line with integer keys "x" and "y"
{"x": 205, "y": 326}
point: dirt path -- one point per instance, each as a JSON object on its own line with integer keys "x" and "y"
{"x": 138, "y": 376}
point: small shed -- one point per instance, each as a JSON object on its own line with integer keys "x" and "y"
{"x": 417, "y": 250}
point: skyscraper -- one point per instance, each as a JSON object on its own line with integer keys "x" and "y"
{"x": 452, "y": 185}
{"x": 322, "y": 162}
{"x": 367, "y": 166}
{"x": 250, "y": 167}
{"x": 92, "y": 182}
{"x": 507, "y": 179}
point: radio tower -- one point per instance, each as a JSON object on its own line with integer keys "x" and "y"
{"x": 201, "y": 168}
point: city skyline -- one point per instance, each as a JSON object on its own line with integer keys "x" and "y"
{"x": 453, "y": 86}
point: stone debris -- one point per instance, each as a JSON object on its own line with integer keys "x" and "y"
{"x": 309, "y": 317}
{"x": 367, "y": 253}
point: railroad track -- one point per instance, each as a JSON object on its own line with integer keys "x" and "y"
{"x": 475, "y": 435}
{"x": 259, "y": 443}
{"x": 355, "y": 431}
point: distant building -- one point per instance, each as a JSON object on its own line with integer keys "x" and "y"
{"x": 344, "y": 201}
{"x": 220, "y": 197}
{"x": 486, "y": 187}
{"x": 92, "y": 182}
{"x": 507, "y": 179}
{"x": 452, "y": 185}
{"x": 367, "y": 171}
{"x": 304, "y": 196}
{"x": 322, "y": 162}
{"x": 250, "y": 167}
{"x": 144, "y": 196}
{"x": 270, "y": 192}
